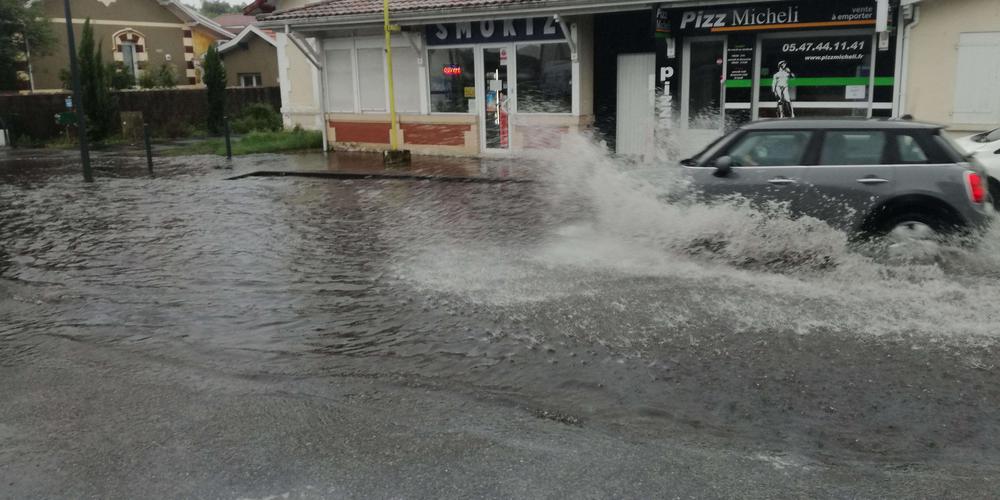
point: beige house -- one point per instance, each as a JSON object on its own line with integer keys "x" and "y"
{"x": 951, "y": 62}
{"x": 140, "y": 34}
{"x": 300, "y": 104}
{"x": 251, "y": 58}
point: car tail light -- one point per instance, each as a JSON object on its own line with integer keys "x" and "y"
{"x": 977, "y": 188}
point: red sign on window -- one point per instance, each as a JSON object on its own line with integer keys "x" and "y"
{"x": 452, "y": 70}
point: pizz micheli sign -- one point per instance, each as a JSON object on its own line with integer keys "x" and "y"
{"x": 774, "y": 16}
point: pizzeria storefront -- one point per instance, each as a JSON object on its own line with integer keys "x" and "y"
{"x": 726, "y": 65}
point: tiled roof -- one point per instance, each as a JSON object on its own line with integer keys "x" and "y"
{"x": 235, "y": 20}
{"x": 257, "y": 7}
{"x": 333, "y": 8}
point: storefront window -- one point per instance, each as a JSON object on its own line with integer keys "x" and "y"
{"x": 544, "y": 78}
{"x": 452, "y": 80}
{"x": 815, "y": 75}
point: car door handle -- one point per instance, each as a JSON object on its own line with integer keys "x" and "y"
{"x": 781, "y": 181}
{"x": 873, "y": 180}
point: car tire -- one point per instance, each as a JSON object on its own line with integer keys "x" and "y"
{"x": 915, "y": 224}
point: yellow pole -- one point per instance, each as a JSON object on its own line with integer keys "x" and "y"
{"x": 393, "y": 138}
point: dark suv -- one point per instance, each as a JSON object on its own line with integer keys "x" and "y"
{"x": 868, "y": 177}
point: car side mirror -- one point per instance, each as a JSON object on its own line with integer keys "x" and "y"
{"x": 723, "y": 166}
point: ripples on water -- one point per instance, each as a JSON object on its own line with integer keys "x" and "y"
{"x": 585, "y": 291}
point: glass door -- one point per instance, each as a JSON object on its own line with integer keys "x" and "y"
{"x": 495, "y": 109}
{"x": 703, "y": 98}
{"x": 129, "y": 58}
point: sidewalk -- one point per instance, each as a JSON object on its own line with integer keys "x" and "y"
{"x": 346, "y": 164}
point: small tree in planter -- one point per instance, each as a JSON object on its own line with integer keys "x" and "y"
{"x": 215, "y": 82}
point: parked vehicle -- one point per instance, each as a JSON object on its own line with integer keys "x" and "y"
{"x": 985, "y": 148}
{"x": 868, "y": 177}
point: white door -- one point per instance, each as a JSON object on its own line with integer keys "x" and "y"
{"x": 636, "y": 104}
{"x": 977, "y": 100}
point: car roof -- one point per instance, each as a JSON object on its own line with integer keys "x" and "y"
{"x": 837, "y": 124}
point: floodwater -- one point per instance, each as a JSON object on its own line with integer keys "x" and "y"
{"x": 583, "y": 297}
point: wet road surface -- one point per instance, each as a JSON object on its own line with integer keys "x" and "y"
{"x": 191, "y": 336}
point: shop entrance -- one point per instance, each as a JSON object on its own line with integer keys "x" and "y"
{"x": 703, "y": 95}
{"x": 494, "y": 84}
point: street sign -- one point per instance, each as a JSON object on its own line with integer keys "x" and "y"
{"x": 66, "y": 118}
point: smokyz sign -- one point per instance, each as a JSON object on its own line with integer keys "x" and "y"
{"x": 775, "y": 16}
{"x": 490, "y": 31}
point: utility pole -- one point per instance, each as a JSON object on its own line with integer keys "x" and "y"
{"x": 394, "y": 156}
{"x": 81, "y": 117}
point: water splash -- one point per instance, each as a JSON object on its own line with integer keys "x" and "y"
{"x": 621, "y": 228}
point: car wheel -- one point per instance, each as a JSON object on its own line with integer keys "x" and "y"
{"x": 907, "y": 226}
{"x": 914, "y": 235}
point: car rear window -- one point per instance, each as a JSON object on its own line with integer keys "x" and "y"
{"x": 853, "y": 147}
{"x": 909, "y": 149}
{"x": 991, "y": 136}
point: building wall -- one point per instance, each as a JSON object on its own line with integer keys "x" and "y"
{"x": 933, "y": 56}
{"x": 161, "y": 42}
{"x": 163, "y": 32}
{"x": 149, "y": 11}
{"x": 255, "y": 56}
{"x": 299, "y": 79}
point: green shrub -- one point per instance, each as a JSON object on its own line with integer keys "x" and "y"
{"x": 165, "y": 76}
{"x": 257, "y": 117}
{"x": 147, "y": 80}
{"x": 121, "y": 78}
{"x": 258, "y": 142}
{"x": 66, "y": 79}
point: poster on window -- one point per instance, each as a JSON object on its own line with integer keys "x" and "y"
{"x": 814, "y": 69}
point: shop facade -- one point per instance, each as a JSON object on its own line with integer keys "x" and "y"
{"x": 493, "y": 84}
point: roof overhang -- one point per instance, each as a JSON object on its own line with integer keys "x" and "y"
{"x": 258, "y": 5}
{"x": 188, "y": 14}
{"x": 248, "y": 31}
{"x": 432, "y": 16}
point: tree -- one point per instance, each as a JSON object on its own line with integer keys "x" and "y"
{"x": 214, "y": 8}
{"x": 21, "y": 27}
{"x": 215, "y": 82}
{"x": 95, "y": 84}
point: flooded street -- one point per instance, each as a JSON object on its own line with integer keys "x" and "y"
{"x": 579, "y": 335}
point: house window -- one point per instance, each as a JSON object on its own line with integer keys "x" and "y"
{"x": 356, "y": 76}
{"x": 339, "y": 81}
{"x": 130, "y": 50}
{"x": 544, "y": 78}
{"x": 250, "y": 79}
{"x": 371, "y": 77}
{"x": 452, "y": 80}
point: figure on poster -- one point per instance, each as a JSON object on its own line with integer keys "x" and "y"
{"x": 779, "y": 87}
